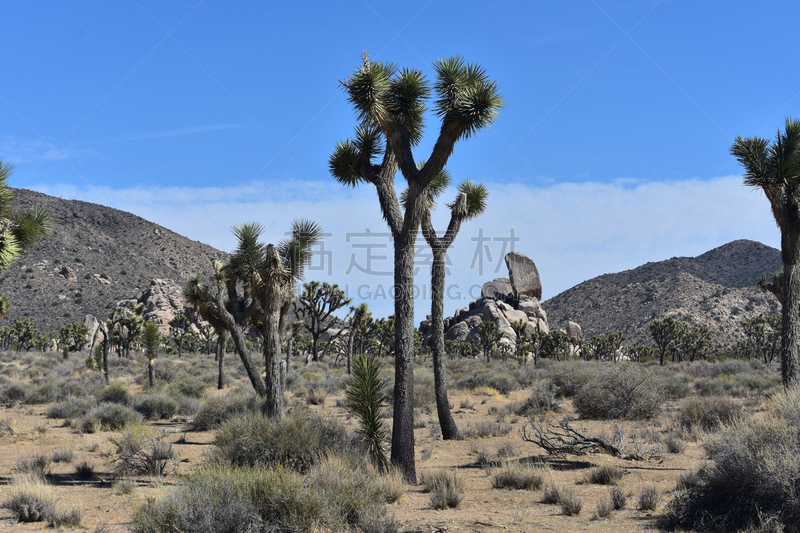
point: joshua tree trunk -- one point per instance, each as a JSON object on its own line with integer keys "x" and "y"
{"x": 403, "y": 425}
{"x": 151, "y": 373}
{"x": 222, "y": 339}
{"x": 790, "y": 250}
{"x": 273, "y": 404}
{"x": 240, "y": 342}
{"x": 448, "y": 425}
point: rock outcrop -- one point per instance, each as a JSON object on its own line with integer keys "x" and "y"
{"x": 501, "y": 302}
{"x": 162, "y": 302}
{"x": 524, "y": 276}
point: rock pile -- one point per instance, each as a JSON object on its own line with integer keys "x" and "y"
{"x": 503, "y": 301}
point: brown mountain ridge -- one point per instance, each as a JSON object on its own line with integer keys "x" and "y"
{"x": 717, "y": 289}
{"x": 113, "y": 255}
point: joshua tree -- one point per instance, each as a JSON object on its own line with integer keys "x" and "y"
{"x": 390, "y": 106}
{"x": 151, "y": 339}
{"x": 179, "y": 328}
{"x": 775, "y": 169}
{"x": 266, "y": 275}
{"x": 665, "y": 335}
{"x": 196, "y": 294}
{"x": 318, "y": 302}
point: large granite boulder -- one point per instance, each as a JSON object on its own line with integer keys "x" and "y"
{"x": 524, "y": 276}
{"x": 574, "y": 332}
{"x": 499, "y": 289}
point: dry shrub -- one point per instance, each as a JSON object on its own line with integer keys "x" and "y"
{"x": 514, "y": 475}
{"x": 445, "y": 486}
{"x": 708, "y": 413}
{"x": 626, "y": 391}
{"x": 648, "y": 498}
{"x": 754, "y": 475}
{"x": 605, "y": 475}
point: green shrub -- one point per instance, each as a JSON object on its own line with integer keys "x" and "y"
{"x": 108, "y": 417}
{"x": 156, "y": 406}
{"x": 215, "y": 411}
{"x": 333, "y": 498}
{"x": 297, "y": 442}
{"x": 708, "y": 413}
{"x": 115, "y": 393}
{"x": 139, "y": 454}
{"x": 189, "y": 386}
{"x": 542, "y": 400}
{"x": 570, "y": 376}
{"x": 72, "y": 407}
{"x": 626, "y": 391}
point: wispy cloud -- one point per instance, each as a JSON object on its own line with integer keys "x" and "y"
{"x": 16, "y": 150}
{"x": 192, "y": 130}
{"x": 573, "y": 231}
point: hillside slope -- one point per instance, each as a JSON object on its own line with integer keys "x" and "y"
{"x": 113, "y": 255}
{"x": 716, "y": 289}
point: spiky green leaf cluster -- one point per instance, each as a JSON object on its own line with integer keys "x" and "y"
{"x": 18, "y": 232}
{"x": 366, "y": 397}
{"x": 773, "y": 165}
{"x": 467, "y": 100}
{"x": 476, "y": 197}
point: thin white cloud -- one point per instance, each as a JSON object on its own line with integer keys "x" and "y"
{"x": 14, "y": 150}
{"x": 177, "y": 132}
{"x": 573, "y": 231}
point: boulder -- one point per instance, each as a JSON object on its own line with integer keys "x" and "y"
{"x": 499, "y": 289}
{"x": 458, "y": 332}
{"x": 529, "y": 306}
{"x": 524, "y": 276}
{"x": 92, "y": 323}
{"x": 68, "y": 273}
{"x": 573, "y": 331}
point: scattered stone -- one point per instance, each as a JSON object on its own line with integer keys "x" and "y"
{"x": 68, "y": 273}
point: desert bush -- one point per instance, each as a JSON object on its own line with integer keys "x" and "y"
{"x": 482, "y": 430}
{"x": 513, "y": 475}
{"x": 570, "y": 503}
{"x": 754, "y": 475}
{"x": 215, "y": 411}
{"x": 688, "y": 480}
{"x": 72, "y": 407}
{"x": 139, "y": 454}
{"x": 265, "y": 499}
{"x": 107, "y": 417}
{"x": 445, "y": 487}
{"x": 708, "y": 413}
{"x": 628, "y": 391}
{"x": 190, "y": 386}
{"x": 542, "y": 400}
{"x": 15, "y": 392}
{"x": 59, "y": 518}
{"x": 712, "y": 387}
{"x": 63, "y": 455}
{"x": 115, "y": 393}
{"x": 84, "y": 471}
{"x": 36, "y": 467}
{"x": 648, "y": 498}
{"x": 43, "y": 392}
{"x": 619, "y": 498}
{"x": 606, "y": 475}
{"x": 502, "y": 382}
{"x": 604, "y": 509}
{"x": 674, "y": 385}
{"x": 29, "y": 499}
{"x": 552, "y": 494}
{"x": 316, "y": 396}
{"x": 674, "y": 444}
{"x": 761, "y": 383}
{"x": 570, "y": 376}
{"x": 156, "y": 406}
{"x": 297, "y": 442}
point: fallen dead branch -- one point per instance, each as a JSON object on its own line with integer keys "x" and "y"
{"x": 560, "y": 438}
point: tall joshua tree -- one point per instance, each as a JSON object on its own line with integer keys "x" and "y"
{"x": 390, "y": 105}
{"x": 775, "y": 169}
{"x": 470, "y": 202}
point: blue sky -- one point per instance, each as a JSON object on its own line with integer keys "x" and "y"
{"x": 612, "y": 149}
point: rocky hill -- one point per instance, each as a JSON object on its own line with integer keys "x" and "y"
{"x": 95, "y": 256}
{"x": 716, "y": 289}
